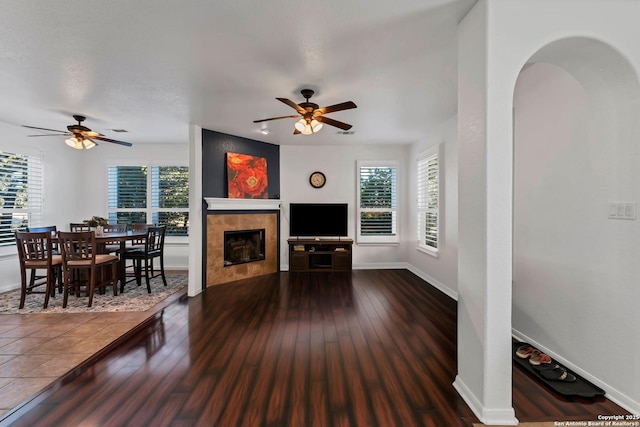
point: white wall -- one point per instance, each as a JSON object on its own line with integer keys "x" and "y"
{"x": 59, "y": 188}
{"x": 576, "y": 271}
{"x": 76, "y": 184}
{"x": 339, "y": 165}
{"x": 441, "y": 272}
{"x": 515, "y": 31}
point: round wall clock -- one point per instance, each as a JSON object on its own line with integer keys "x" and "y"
{"x": 317, "y": 179}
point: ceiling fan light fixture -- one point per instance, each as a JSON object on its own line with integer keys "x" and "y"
{"x": 73, "y": 143}
{"x": 315, "y": 125}
{"x": 307, "y": 130}
{"x": 300, "y": 125}
{"x": 88, "y": 144}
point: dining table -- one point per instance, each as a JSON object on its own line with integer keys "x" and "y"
{"x": 121, "y": 238}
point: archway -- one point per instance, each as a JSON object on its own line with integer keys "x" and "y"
{"x": 576, "y": 156}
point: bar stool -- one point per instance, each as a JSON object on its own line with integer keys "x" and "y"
{"x": 35, "y": 252}
{"x": 79, "y": 255}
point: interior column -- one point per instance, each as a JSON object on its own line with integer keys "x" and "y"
{"x": 484, "y": 226}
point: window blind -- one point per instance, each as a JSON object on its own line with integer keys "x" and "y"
{"x": 428, "y": 188}
{"x": 21, "y": 195}
{"x": 377, "y": 203}
{"x": 150, "y": 194}
{"x": 170, "y": 198}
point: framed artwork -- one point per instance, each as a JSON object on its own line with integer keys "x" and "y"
{"x": 246, "y": 177}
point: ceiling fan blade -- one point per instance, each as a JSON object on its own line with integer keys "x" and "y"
{"x": 337, "y": 107}
{"x": 296, "y": 132}
{"x": 46, "y": 134}
{"x": 331, "y": 122}
{"x": 101, "y": 138}
{"x": 50, "y": 130}
{"x": 293, "y": 105}
{"x": 275, "y": 118}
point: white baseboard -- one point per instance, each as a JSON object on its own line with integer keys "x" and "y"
{"x": 498, "y": 417}
{"x": 380, "y": 266}
{"x": 433, "y": 282}
{"x": 6, "y": 287}
{"x": 612, "y": 394}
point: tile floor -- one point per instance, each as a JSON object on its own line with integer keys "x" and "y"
{"x": 37, "y": 349}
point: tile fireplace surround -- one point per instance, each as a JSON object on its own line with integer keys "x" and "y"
{"x": 235, "y": 215}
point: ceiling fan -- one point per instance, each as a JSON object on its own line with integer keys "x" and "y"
{"x": 312, "y": 116}
{"x": 80, "y": 137}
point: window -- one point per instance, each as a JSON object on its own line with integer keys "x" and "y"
{"x": 429, "y": 200}
{"x": 150, "y": 194}
{"x": 377, "y": 202}
{"x": 20, "y": 194}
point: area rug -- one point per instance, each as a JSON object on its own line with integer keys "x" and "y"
{"x": 134, "y": 298}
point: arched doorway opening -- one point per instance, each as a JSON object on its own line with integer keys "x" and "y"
{"x": 576, "y": 162}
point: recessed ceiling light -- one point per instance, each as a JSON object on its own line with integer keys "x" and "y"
{"x": 265, "y": 131}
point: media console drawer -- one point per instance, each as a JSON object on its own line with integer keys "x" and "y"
{"x": 320, "y": 255}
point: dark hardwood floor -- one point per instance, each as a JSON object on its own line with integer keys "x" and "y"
{"x": 361, "y": 348}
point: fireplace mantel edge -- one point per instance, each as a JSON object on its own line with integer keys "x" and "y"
{"x": 220, "y": 204}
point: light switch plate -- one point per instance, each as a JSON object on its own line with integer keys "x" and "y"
{"x": 622, "y": 210}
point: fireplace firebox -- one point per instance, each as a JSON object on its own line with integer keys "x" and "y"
{"x": 243, "y": 246}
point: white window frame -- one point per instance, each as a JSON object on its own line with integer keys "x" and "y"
{"x": 383, "y": 239}
{"x": 425, "y": 164}
{"x": 149, "y": 209}
{"x": 34, "y": 166}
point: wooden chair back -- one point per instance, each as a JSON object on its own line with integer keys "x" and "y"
{"x": 76, "y": 246}
{"x": 114, "y": 228}
{"x": 34, "y": 248}
{"x": 79, "y": 226}
{"x": 140, "y": 227}
{"x": 35, "y": 251}
{"x": 155, "y": 240}
{"x": 52, "y": 229}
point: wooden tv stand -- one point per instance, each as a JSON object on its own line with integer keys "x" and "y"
{"x": 319, "y": 255}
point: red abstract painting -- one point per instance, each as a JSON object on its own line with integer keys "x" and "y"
{"x": 246, "y": 177}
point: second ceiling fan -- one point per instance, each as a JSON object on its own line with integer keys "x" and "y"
{"x": 312, "y": 116}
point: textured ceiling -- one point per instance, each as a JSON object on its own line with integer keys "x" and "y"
{"x": 153, "y": 67}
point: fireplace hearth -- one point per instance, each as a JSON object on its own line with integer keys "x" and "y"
{"x": 243, "y": 246}
{"x": 219, "y": 222}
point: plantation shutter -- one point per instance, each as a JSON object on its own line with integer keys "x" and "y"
{"x": 127, "y": 194}
{"x": 428, "y": 201}
{"x": 21, "y": 181}
{"x": 377, "y": 218}
{"x": 170, "y": 198}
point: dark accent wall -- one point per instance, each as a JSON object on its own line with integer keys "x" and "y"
{"x": 215, "y": 145}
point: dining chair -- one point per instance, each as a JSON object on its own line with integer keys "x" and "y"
{"x": 79, "y": 226}
{"x": 56, "y": 251}
{"x": 113, "y": 247}
{"x": 153, "y": 248}
{"x": 79, "y": 255}
{"x": 140, "y": 227}
{"x": 35, "y": 252}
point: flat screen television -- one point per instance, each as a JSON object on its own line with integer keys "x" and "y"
{"x": 318, "y": 219}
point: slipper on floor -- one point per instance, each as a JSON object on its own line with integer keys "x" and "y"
{"x": 557, "y": 374}
{"x": 539, "y": 358}
{"x": 546, "y": 366}
{"x": 525, "y": 351}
